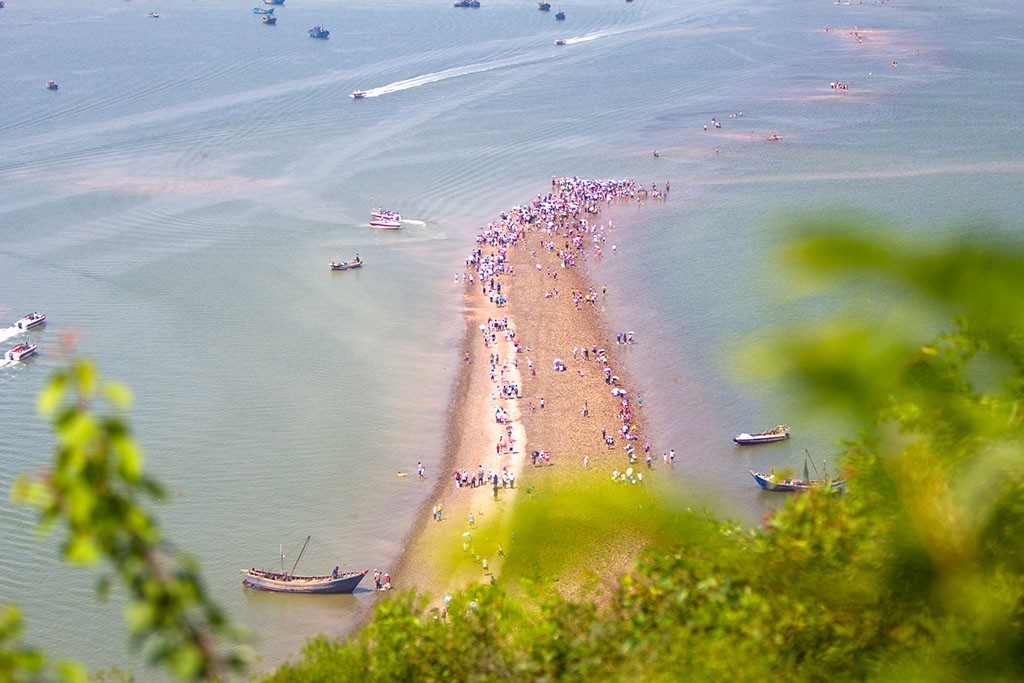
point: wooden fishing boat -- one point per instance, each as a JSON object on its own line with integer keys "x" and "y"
{"x": 288, "y": 582}
{"x": 771, "y": 482}
{"x": 269, "y": 19}
{"x": 779, "y": 433}
{"x": 319, "y": 31}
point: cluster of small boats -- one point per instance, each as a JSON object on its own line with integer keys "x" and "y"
{"x": 773, "y": 482}
{"x": 25, "y": 349}
{"x": 386, "y": 219}
{"x": 467, "y": 3}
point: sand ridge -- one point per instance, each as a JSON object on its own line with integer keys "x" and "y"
{"x": 526, "y": 305}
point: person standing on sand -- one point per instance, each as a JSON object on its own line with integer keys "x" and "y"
{"x": 586, "y": 462}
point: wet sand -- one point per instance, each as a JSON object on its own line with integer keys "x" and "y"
{"x": 548, "y": 326}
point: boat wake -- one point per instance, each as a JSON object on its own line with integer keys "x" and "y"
{"x": 411, "y": 221}
{"x": 454, "y": 72}
{"x": 9, "y": 333}
{"x": 595, "y": 35}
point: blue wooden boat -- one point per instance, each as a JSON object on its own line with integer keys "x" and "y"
{"x": 319, "y": 31}
{"x": 544, "y": 6}
{"x": 262, "y": 10}
{"x": 269, "y": 19}
{"x": 462, "y": 3}
{"x": 770, "y": 482}
{"x": 288, "y": 582}
{"x": 560, "y": 15}
{"x": 273, "y": 2}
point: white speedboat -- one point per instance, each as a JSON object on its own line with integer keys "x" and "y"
{"x": 20, "y": 352}
{"x": 358, "y": 94}
{"x": 31, "y": 320}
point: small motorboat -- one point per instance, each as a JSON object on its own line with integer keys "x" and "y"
{"x": 560, "y": 41}
{"x": 269, "y": 19}
{"x": 780, "y": 433}
{"x": 560, "y": 15}
{"x": 31, "y": 320}
{"x": 319, "y": 31}
{"x": 262, "y": 10}
{"x": 51, "y": 85}
{"x": 386, "y": 222}
{"x": 358, "y": 94}
{"x": 544, "y": 6}
{"x": 154, "y": 15}
{"x": 385, "y": 214}
{"x": 347, "y": 265}
{"x": 273, "y": 2}
{"x": 462, "y": 3}
{"x": 20, "y": 352}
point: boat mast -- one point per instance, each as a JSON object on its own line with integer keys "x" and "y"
{"x": 300, "y": 555}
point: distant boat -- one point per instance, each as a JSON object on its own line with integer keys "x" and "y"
{"x": 262, "y": 10}
{"x": 544, "y": 6}
{"x": 288, "y": 582}
{"x": 51, "y": 85}
{"x": 273, "y": 2}
{"x": 770, "y": 482}
{"x": 319, "y": 31}
{"x": 780, "y": 433}
{"x": 387, "y": 222}
{"x": 154, "y": 15}
{"x": 467, "y": 3}
{"x": 560, "y": 41}
{"x": 269, "y": 19}
{"x": 347, "y": 265}
{"x": 385, "y": 218}
{"x": 20, "y": 352}
{"x": 2, "y": 3}
{"x": 31, "y": 320}
{"x": 560, "y": 15}
{"x": 359, "y": 94}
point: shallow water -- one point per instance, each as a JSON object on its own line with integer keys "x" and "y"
{"x": 177, "y": 201}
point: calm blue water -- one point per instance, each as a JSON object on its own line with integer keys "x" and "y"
{"x": 177, "y": 201}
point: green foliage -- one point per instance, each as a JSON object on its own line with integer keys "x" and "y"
{"x": 915, "y": 574}
{"x": 97, "y": 490}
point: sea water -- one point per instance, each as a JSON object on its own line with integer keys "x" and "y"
{"x": 175, "y": 205}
